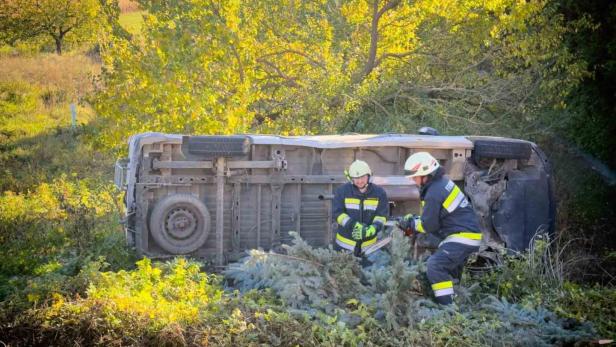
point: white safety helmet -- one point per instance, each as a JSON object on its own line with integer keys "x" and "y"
{"x": 420, "y": 164}
{"x": 358, "y": 169}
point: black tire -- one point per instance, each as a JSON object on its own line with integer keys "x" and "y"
{"x": 213, "y": 146}
{"x": 180, "y": 223}
{"x": 501, "y": 149}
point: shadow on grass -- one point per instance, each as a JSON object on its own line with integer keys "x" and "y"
{"x": 26, "y": 162}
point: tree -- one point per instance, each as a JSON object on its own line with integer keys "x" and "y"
{"x": 27, "y": 19}
{"x": 324, "y": 66}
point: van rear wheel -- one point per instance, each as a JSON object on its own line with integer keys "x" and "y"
{"x": 180, "y": 223}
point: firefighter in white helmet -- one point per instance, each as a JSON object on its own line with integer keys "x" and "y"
{"x": 447, "y": 214}
{"x": 360, "y": 209}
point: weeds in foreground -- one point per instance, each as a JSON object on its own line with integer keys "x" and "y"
{"x": 174, "y": 303}
{"x": 541, "y": 278}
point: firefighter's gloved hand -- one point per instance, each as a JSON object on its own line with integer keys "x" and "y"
{"x": 368, "y": 232}
{"x": 363, "y": 233}
{"x": 358, "y": 231}
{"x": 407, "y": 224}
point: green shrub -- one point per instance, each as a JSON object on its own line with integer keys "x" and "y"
{"x": 590, "y": 304}
{"x": 155, "y": 302}
{"x": 57, "y": 229}
{"x": 539, "y": 278}
{"x": 17, "y": 97}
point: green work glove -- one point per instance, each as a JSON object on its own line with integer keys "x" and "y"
{"x": 368, "y": 232}
{"x": 363, "y": 232}
{"x": 358, "y": 229}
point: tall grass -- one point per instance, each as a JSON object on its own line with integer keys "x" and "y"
{"x": 36, "y": 143}
{"x": 128, "y": 6}
{"x": 69, "y": 76}
{"x": 132, "y": 21}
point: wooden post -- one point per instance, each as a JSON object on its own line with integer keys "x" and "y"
{"x": 73, "y": 116}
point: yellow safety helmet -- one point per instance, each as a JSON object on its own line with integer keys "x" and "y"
{"x": 420, "y": 164}
{"x": 359, "y": 168}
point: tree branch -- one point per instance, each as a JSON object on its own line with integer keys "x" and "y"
{"x": 374, "y": 37}
{"x": 310, "y": 59}
{"x": 291, "y": 81}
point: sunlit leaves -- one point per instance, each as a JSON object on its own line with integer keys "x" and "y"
{"x": 175, "y": 292}
{"x": 320, "y": 66}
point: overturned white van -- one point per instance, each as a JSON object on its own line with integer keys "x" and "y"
{"x": 214, "y": 197}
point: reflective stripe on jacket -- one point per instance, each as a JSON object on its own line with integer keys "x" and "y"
{"x": 447, "y": 213}
{"x": 350, "y": 206}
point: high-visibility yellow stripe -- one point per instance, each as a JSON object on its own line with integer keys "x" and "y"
{"x": 351, "y": 201}
{"x": 371, "y": 202}
{"x": 352, "y": 242}
{"x": 342, "y": 218}
{"x": 379, "y": 219}
{"x": 466, "y": 235}
{"x": 419, "y": 226}
{"x": 452, "y": 196}
{"x": 465, "y": 238}
{"x": 442, "y": 285}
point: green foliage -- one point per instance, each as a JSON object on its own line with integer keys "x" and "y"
{"x": 57, "y": 19}
{"x": 586, "y": 214}
{"x": 35, "y": 143}
{"x": 538, "y": 279}
{"x": 150, "y": 302}
{"x": 589, "y": 304}
{"x": 287, "y": 67}
{"x": 15, "y": 98}
{"x": 178, "y": 291}
{"x": 173, "y": 303}
{"x": 56, "y": 230}
{"x": 590, "y": 107}
{"x": 53, "y": 279}
{"x": 480, "y": 69}
{"x": 527, "y": 277}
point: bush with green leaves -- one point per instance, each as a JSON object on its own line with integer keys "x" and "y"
{"x": 174, "y": 303}
{"x": 538, "y": 278}
{"x": 56, "y": 230}
{"x": 17, "y": 97}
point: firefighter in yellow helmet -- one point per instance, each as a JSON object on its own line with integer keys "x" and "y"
{"x": 360, "y": 209}
{"x": 447, "y": 214}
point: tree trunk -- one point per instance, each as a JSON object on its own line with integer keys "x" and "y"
{"x": 58, "y": 40}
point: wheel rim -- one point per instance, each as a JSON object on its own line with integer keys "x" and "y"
{"x": 180, "y": 223}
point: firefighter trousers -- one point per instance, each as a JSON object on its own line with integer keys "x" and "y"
{"x": 445, "y": 266}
